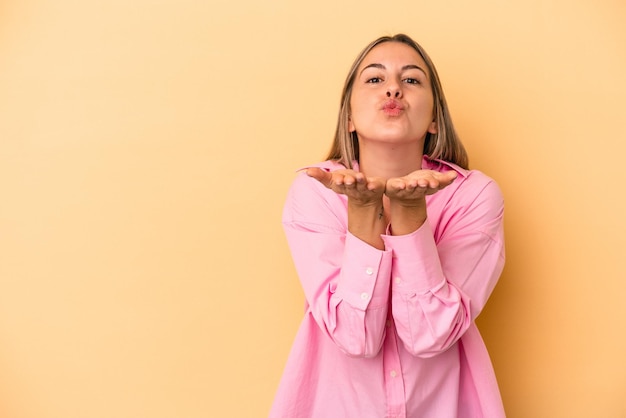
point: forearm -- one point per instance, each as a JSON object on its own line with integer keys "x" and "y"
{"x": 430, "y": 313}
{"x": 346, "y": 283}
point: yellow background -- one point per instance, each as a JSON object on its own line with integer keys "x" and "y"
{"x": 146, "y": 148}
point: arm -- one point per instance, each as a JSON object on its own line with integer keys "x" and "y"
{"x": 442, "y": 283}
{"x": 345, "y": 279}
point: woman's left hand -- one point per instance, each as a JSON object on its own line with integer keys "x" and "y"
{"x": 414, "y": 187}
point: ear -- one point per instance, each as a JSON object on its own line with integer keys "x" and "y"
{"x": 432, "y": 128}
{"x": 351, "y": 127}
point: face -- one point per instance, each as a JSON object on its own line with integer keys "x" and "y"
{"x": 392, "y": 100}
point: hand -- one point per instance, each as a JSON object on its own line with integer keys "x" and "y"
{"x": 355, "y": 185}
{"x": 413, "y": 188}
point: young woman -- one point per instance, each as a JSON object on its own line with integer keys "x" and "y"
{"x": 398, "y": 246}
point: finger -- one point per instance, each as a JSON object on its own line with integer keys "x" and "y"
{"x": 350, "y": 179}
{"x": 362, "y": 183}
{"x": 320, "y": 175}
{"x": 436, "y": 180}
{"x": 396, "y": 184}
{"x": 450, "y": 175}
{"x": 426, "y": 182}
{"x": 337, "y": 179}
{"x": 375, "y": 184}
{"x": 360, "y": 178}
{"x": 445, "y": 179}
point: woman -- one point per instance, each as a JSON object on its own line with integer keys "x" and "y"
{"x": 398, "y": 246}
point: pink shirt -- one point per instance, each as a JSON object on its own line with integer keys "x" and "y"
{"x": 391, "y": 333}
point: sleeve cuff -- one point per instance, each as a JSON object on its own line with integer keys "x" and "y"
{"x": 365, "y": 274}
{"x": 416, "y": 265}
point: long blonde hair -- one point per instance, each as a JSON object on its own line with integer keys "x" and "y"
{"x": 444, "y": 145}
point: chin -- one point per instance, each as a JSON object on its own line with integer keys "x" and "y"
{"x": 397, "y": 138}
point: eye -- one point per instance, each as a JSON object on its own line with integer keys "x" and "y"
{"x": 374, "y": 80}
{"x": 412, "y": 81}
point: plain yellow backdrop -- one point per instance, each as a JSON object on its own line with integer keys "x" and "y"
{"x": 146, "y": 148}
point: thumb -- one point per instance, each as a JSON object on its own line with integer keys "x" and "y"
{"x": 320, "y": 175}
{"x": 450, "y": 175}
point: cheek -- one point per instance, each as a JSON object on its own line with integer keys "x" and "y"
{"x": 356, "y": 120}
{"x": 359, "y": 113}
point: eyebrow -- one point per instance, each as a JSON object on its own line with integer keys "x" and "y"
{"x": 404, "y": 68}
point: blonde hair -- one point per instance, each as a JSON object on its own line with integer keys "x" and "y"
{"x": 444, "y": 145}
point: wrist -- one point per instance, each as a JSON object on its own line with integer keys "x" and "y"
{"x": 367, "y": 222}
{"x": 407, "y": 217}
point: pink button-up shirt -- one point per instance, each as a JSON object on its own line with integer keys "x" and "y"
{"x": 391, "y": 333}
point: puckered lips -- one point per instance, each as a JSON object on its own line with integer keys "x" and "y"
{"x": 392, "y": 107}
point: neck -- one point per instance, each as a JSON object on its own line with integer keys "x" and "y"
{"x": 385, "y": 161}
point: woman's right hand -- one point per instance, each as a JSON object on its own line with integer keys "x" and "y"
{"x": 366, "y": 217}
{"x": 359, "y": 189}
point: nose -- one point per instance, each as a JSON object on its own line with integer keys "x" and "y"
{"x": 393, "y": 90}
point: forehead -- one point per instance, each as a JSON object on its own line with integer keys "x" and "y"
{"x": 393, "y": 53}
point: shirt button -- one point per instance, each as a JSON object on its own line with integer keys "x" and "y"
{"x": 398, "y": 280}
{"x": 364, "y": 296}
{"x": 369, "y": 271}
{"x": 388, "y": 323}
{"x": 393, "y": 373}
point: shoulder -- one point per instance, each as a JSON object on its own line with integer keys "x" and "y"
{"x": 473, "y": 202}
{"x": 473, "y": 197}
{"x": 309, "y": 200}
{"x": 468, "y": 182}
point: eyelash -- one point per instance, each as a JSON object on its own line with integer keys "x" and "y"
{"x": 375, "y": 80}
